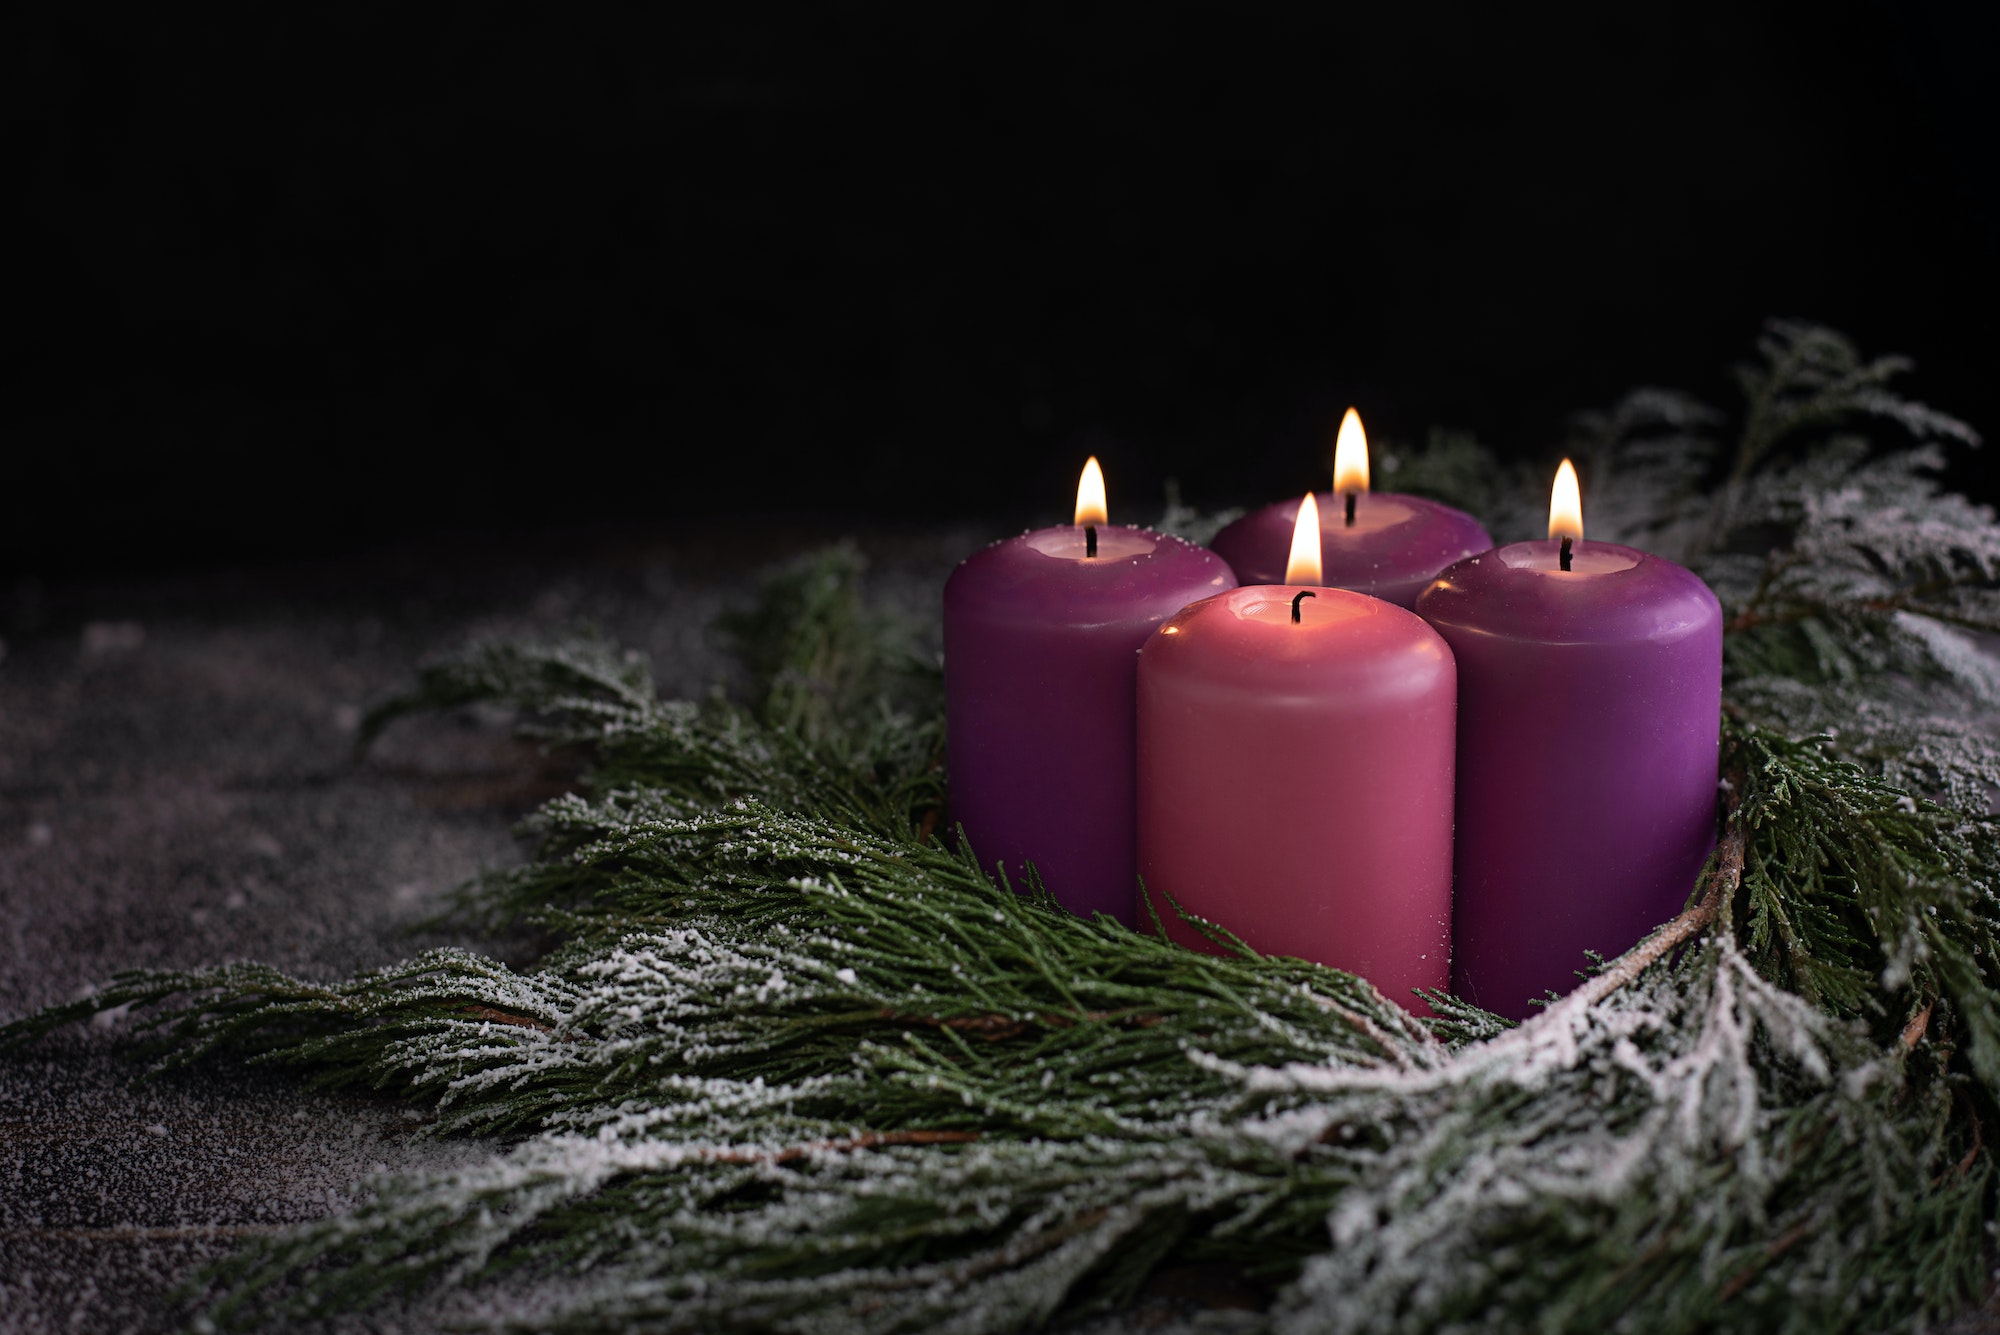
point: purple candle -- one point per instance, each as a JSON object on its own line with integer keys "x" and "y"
{"x": 1589, "y": 712}
{"x": 1041, "y": 649}
{"x": 1387, "y": 546}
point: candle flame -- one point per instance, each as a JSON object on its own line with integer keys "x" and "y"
{"x": 1350, "y": 455}
{"x": 1566, "y": 505}
{"x": 1090, "y": 495}
{"x": 1302, "y": 567}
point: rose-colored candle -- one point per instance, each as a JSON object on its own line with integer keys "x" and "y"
{"x": 1384, "y": 545}
{"x": 1590, "y": 701}
{"x": 1041, "y": 643}
{"x": 1295, "y": 776}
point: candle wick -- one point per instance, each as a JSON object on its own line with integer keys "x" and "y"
{"x": 1303, "y": 593}
{"x": 1563, "y": 556}
{"x": 1090, "y": 541}
{"x": 1350, "y": 508}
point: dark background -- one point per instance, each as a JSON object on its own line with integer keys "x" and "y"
{"x": 292, "y": 281}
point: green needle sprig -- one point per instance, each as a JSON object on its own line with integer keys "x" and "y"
{"x": 791, "y": 1061}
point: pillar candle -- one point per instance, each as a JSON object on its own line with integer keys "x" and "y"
{"x": 1295, "y": 778}
{"x": 1385, "y": 545}
{"x": 1590, "y": 695}
{"x": 1041, "y": 644}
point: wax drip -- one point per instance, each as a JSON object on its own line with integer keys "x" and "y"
{"x": 1350, "y": 508}
{"x": 1302, "y": 593}
{"x": 1090, "y": 541}
{"x": 1563, "y": 556}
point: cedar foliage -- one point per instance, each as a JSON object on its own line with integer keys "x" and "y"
{"x": 792, "y": 1062}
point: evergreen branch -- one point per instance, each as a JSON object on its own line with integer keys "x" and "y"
{"x": 844, "y": 722}
{"x": 1814, "y": 379}
{"x": 1852, "y": 585}
{"x": 795, "y": 1066}
{"x": 1865, "y": 899}
{"x": 742, "y": 1023}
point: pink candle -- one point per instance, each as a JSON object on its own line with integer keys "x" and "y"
{"x": 1384, "y": 545}
{"x": 1041, "y": 648}
{"x": 1590, "y": 700}
{"x": 1295, "y": 778}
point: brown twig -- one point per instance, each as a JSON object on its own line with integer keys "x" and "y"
{"x": 1913, "y": 596}
{"x": 1920, "y": 1023}
{"x": 1978, "y": 1144}
{"x": 866, "y": 1141}
{"x": 1357, "y": 1020}
{"x": 1778, "y": 1248}
{"x": 1964, "y": 1165}
{"x": 1726, "y": 875}
{"x": 492, "y": 1016}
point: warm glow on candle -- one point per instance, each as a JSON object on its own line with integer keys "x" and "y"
{"x": 1090, "y": 495}
{"x": 1303, "y": 565}
{"x": 1566, "y": 505}
{"x": 1350, "y": 455}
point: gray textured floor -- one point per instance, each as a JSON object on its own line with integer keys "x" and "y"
{"x": 176, "y": 788}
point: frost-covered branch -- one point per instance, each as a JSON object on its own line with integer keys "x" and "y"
{"x": 793, "y": 1063}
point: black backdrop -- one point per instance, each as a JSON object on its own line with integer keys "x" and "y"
{"x": 293, "y": 279}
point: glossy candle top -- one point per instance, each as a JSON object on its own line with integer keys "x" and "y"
{"x": 1011, "y": 580}
{"x": 1612, "y": 594}
{"x": 1395, "y": 546}
{"x": 1343, "y": 643}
